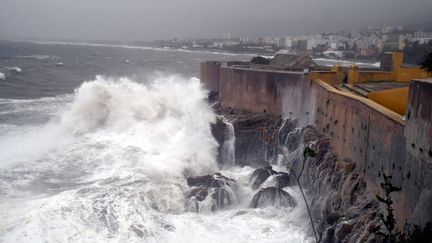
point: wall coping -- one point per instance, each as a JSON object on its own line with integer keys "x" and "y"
{"x": 423, "y": 80}
{"x": 375, "y": 106}
{"x": 263, "y": 70}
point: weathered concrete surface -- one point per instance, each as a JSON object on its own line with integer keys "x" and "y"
{"x": 418, "y": 167}
{"x": 210, "y": 75}
{"x": 253, "y": 90}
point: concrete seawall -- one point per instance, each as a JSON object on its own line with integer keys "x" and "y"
{"x": 359, "y": 130}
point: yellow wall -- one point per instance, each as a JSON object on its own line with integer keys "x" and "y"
{"x": 398, "y": 74}
{"x": 393, "y": 99}
{"x": 355, "y": 75}
{"x": 333, "y": 77}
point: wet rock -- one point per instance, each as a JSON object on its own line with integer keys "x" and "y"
{"x": 282, "y": 180}
{"x": 211, "y": 192}
{"x": 218, "y": 132}
{"x": 343, "y": 231}
{"x": 272, "y": 196}
{"x": 333, "y": 218}
{"x": 216, "y": 180}
{"x": 256, "y": 142}
{"x": 260, "y": 175}
{"x": 287, "y": 127}
{"x": 329, "y": 236}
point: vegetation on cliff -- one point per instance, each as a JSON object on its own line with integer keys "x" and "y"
{"x": 389, "y": 233}
{"x": 427, "y": 62}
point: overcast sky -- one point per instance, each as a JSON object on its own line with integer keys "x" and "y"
{"x": 166, "y": 19}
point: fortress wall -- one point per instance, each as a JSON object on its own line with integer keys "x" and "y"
{"x": 368, "y": 134}
{"x": 210, "y": 75}
{"x": 418, "y": 132}
{"x": 254, "y": 90}
{"x": 358, "y": 129}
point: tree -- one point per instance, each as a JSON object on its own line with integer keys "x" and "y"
{"x": 388, "y": 234}
{"x": 427, "y": 62}
{"x": 260, "y": 60}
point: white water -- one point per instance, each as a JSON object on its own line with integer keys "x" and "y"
{"x": 2, "y": 76}
{"x": 228, "y": 147}
{"x": 111, "y": 166}
{"x": 15, "y": 69}
{"x": 345, "y": 63}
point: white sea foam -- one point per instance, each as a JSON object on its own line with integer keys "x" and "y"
{"x": 40, "y": 57}
{"x": 112, "y": 167}
{"x": 345, "y": 63}
{"x": 2, "y": 76}
{"x": 15, "y": 69}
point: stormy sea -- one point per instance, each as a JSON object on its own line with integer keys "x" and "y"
{"x": 103, "y": 143}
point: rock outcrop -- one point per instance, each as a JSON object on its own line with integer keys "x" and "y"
{"x": 211, "y": 192}
{"x": 342, "y": 207}
{"x": 272, "y": 196}
{"x": 260, "y": 175}
{"x": 255, "y": 137}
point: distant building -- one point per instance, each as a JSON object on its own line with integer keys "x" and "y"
{"x": 366, "y": 52}
{"x": 292, "y": 62}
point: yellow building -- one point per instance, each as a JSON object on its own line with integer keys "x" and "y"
{"x": 388, "y": 88}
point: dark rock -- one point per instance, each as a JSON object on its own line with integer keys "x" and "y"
{"x": 256, "y": 142}
{"x": 216, "y": 180}
{"x": 218, "y": 187}
{"x": 213, "y": 96}
{"x": 343, "y": 231}
{"x": 282, "y": 180}
{"x": 218, "y": 132}
{"x": 287, "y": 127}
{"x": 260, "y": 60}
{"x": 333, "y": 218}
{"x": 260, "y": 175}
{"x": 329, "y": 236}
{"x": 272, "y": 196}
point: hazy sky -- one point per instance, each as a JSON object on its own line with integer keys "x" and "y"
{"x": 153, "y": 19}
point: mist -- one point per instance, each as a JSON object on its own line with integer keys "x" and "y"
{"x": 166, "y": 19}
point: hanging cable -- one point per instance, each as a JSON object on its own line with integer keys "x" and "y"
{"x": 306, "y": 154}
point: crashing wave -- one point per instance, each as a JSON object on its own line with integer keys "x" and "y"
{"x": 2, "y": 76}
{"x": 126, "y": 162}
{"x": 15, "y": 69}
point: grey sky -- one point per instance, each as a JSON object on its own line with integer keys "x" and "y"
{"x": 152, "y": 19}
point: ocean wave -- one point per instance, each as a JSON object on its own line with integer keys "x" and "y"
{"x": 112, "y": 167}
{"x": 40, "y": 57}
{"x": 14, "y": 69}
{"x": 345, "y": 63}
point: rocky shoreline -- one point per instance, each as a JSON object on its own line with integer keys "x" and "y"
{"x": 342, "y": 209}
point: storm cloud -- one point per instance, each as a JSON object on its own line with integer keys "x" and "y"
{"x": 163, "y": 19}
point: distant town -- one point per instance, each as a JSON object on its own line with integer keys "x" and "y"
{"x": 364, "y": 44}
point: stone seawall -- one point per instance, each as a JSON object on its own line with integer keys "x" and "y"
{"x": 255, "y": 91}
{"x": 359, "y": 130}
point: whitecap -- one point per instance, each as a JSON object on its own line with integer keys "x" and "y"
{"x": 15, "y": 69}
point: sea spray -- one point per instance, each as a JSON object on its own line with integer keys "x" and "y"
{"x": 112, "y": 166}
{"x": 118, "y": 143}
{"x": 228, "y": 146}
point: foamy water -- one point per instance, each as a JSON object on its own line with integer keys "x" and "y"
{"x": 110, "y": 165}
